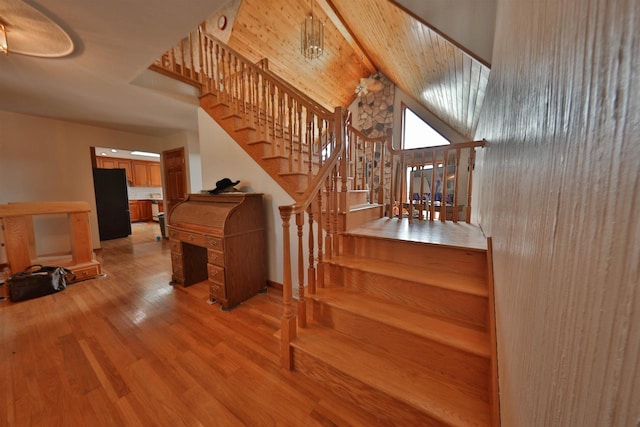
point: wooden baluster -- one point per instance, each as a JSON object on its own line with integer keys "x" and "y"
{"x": 243, "y": 95}
{"x": 443, "y": 203}
{"x": 301, "y": 138}
{"x": 344, "y": 165}
{"x": 328, "y": 214}
{"x": 410, "y": 186}
{"x": 456, "y": 186}
{"x": 472, "y": 164}
{"x": 226, "y": 73}
{"x": 432, "y": 207}
{"x": 336, "y": 210}
{"x": 282, "y": 122}
{"x": 392, "y": 183}
{"x": 217, "y": 81}
{"x": 190, "y": 54}
{"x": 321, "y": 216}
{"x": 421, "y": 204}
{"x": 236, "y": 86}
{"x": 382, "y": 184}
{"x": 173, "y": 60}
{"x": 265, "y": 109}
{"x": 302, "y": 312}
{"x": 182, "y": 60}
{"x": 291, "y": 127}
{"x": 201, "y": 55}
{"x": 311, "y": 270}
{"x": 310, "y": 138}
{"x": 371, "y": 171}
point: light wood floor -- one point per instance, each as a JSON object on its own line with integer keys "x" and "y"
{"x": 130, "y": 350}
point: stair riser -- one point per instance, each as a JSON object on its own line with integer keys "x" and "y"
{"x": 387, "y": 409}
{"x": 421, "y": 255}
{"x": 466, "y": 370}
{"x": 456, "y": 306}
{"x": 360, "y": 216}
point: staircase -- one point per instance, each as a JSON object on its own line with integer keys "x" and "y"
{"x": 399, "y": 327}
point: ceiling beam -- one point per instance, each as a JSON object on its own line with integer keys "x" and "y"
{"x": 329, "y": 9}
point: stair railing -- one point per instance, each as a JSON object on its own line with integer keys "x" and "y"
{"x": 296, "y": 126}
{"x": 320, "y": 202}
{"x": 427, "y": 183}
{"x": 368, "y": 165}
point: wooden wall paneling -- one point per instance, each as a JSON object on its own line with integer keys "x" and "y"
{"x": 559, "y": 183}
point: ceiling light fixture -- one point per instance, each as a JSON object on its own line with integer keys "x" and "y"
{"x": 144, "y": 153}
{"x": 312, "y": 36}
{"x": 4, "y": 48}
{"x": 31, "y": 31}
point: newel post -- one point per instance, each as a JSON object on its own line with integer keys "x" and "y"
{"x": 288, "y": 322}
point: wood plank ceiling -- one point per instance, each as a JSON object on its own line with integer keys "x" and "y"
{"x": 379, "y": 36}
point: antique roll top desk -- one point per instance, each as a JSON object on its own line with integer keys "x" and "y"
{"x": 220, "y": 239}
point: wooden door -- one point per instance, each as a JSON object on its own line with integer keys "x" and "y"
{"x": 175, "y": 177}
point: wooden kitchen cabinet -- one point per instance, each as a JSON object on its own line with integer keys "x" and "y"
{"x": 126, "y": 165}
{"x": 134, "y": 210}
{"x": 140, "y": 173}
{"x": 145, "y": 210}
{"x": 146, "y": 174}
{"x": 113, "y": 163}
{"x": 140, "y": 210}
{"x": 106, "y": 163}
{"x": 155, "y": 176}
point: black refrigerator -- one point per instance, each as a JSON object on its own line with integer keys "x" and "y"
{"x": 112, "y": 203}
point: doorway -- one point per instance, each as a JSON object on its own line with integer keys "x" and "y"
{"x": 175, "y": 176}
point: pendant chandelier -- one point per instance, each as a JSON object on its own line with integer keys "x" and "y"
{"x": 312, "y": 36}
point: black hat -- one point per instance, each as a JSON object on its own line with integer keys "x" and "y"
{"x": 222, "y": 185}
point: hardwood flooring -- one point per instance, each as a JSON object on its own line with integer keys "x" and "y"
{"x": 130, "y": 350}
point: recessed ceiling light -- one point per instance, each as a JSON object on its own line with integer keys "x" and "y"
{"x": 103, "y": 154}
{"x": 113, "y": 150}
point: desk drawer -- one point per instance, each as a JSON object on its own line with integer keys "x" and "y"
{"x": 176, "y": 259}
{"x": 216, "y": 274}
{"x": 215, "y": 257}
{"x": 217, "y": 291}
{"x": 175, "y": 246}
{"x": 187, "y": 237}
{"x": 215, "y": 243}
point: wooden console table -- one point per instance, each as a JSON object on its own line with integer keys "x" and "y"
{"x": 220, "y": 240}
{"x": 20, "y": 239}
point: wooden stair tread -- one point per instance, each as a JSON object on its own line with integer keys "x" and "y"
{"x": 435, "y": 277}
{"x": 410, "y": 319}
{"x": 400, "y": 379}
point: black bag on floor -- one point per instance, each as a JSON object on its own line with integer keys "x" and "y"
{"x": 38, "y": 280}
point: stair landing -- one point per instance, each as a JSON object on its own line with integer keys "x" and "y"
{"x": 457, "y": 235}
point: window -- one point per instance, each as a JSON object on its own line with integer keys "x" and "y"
{"x": 416, "y": 133}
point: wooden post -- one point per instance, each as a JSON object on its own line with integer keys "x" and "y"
{"x": 302, "y": 313}
{"x": 288, "y": 323}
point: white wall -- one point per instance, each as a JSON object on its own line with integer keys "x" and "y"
{"x": 222, "y": 157}
{"x": 49, "y": 160}
{"x": 560, "y": 197}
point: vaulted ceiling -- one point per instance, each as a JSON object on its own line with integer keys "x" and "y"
{"x": 116, "y": 40}
{"x": 361, "y": 38}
